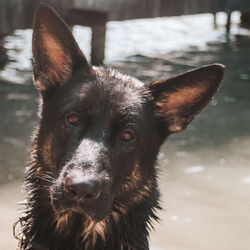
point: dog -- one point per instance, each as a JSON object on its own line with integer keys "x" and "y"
{"x": 91, "y": 181}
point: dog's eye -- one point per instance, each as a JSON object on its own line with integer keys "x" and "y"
{"x": 127, "y": 135}
{"x": 72, "y": 119}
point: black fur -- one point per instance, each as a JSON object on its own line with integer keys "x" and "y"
{"x": 102, "y": 129}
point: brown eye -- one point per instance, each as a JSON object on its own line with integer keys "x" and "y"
{"x": 127, "y": 135}
{"x": 73, "y": 119}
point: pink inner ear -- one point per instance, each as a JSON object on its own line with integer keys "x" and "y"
{"x": 180, "y": 98}
{"x": 177, "y": 106}
{"x": 60, "y": 62}
{"x": 173, "y": 102}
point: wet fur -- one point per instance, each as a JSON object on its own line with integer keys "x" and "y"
{"x": 123, "y": 215}
{"x": 126, "y": 227}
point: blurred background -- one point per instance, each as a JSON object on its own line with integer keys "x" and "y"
{"x": 204, "y": 170}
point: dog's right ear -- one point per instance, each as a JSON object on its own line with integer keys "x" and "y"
{"x": 178, "y": 99}
{"x": 56, "y": 54}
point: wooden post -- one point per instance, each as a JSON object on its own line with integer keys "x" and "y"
{"x": 215, "y": 20}
{"x": 98, "y": 44}
{"x": 3, "y": 56}
{"x": 97, "y": 21}
{"x": 228, "y": 25}
{"x": 245, "y": 19}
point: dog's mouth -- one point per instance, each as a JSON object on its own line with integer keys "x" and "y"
{"x": 96, "y": 209}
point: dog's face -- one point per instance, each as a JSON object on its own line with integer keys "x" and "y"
{"x": 94, "y": 136}
{"x": 100, "y": 130}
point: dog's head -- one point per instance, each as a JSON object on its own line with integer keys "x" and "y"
{"x": 101, "y": 130}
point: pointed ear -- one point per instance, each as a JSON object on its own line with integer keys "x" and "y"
{"x": 179, "y": 99}
{"x": 56, "y": 55}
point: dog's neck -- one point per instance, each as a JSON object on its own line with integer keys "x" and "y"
{"x": 122, "y": 229}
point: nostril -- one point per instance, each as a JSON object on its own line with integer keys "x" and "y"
{"x": 92, "y": 196}
{"x": 89, "y": 196}
{"x": 69, "y": 187}
{"x": 71, "y": 190}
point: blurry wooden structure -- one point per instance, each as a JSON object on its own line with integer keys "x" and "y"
{"x": 17, "y": 14}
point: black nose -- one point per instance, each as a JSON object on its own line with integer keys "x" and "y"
{"x": 87, "y": 189}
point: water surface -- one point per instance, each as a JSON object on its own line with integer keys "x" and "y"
{"x": 205, "y": 170}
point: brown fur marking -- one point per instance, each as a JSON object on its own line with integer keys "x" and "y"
{"x": 135, "y": 180}
{"x": 92, "y": 229}
{"x": 46, "y": 151}
{"x": 62, "y": 222}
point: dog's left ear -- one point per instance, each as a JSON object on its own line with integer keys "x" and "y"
{"x": 177, "y": 100}
{"x": 56, "y": 54}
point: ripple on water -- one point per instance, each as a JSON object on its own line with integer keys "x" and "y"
{"x": 148, "y": 49}
{"x": 246, "y": 179}
{"x": 194, "y": 169}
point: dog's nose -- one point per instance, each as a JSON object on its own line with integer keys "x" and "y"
{"x": 87, "y": 189}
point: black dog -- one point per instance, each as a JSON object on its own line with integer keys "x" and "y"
{"x": 92, "y": 179}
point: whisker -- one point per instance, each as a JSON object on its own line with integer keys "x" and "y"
{"x": 48, "y": 177}
{"x": 49, "y": 174}
{"x": 44, "y": 178}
